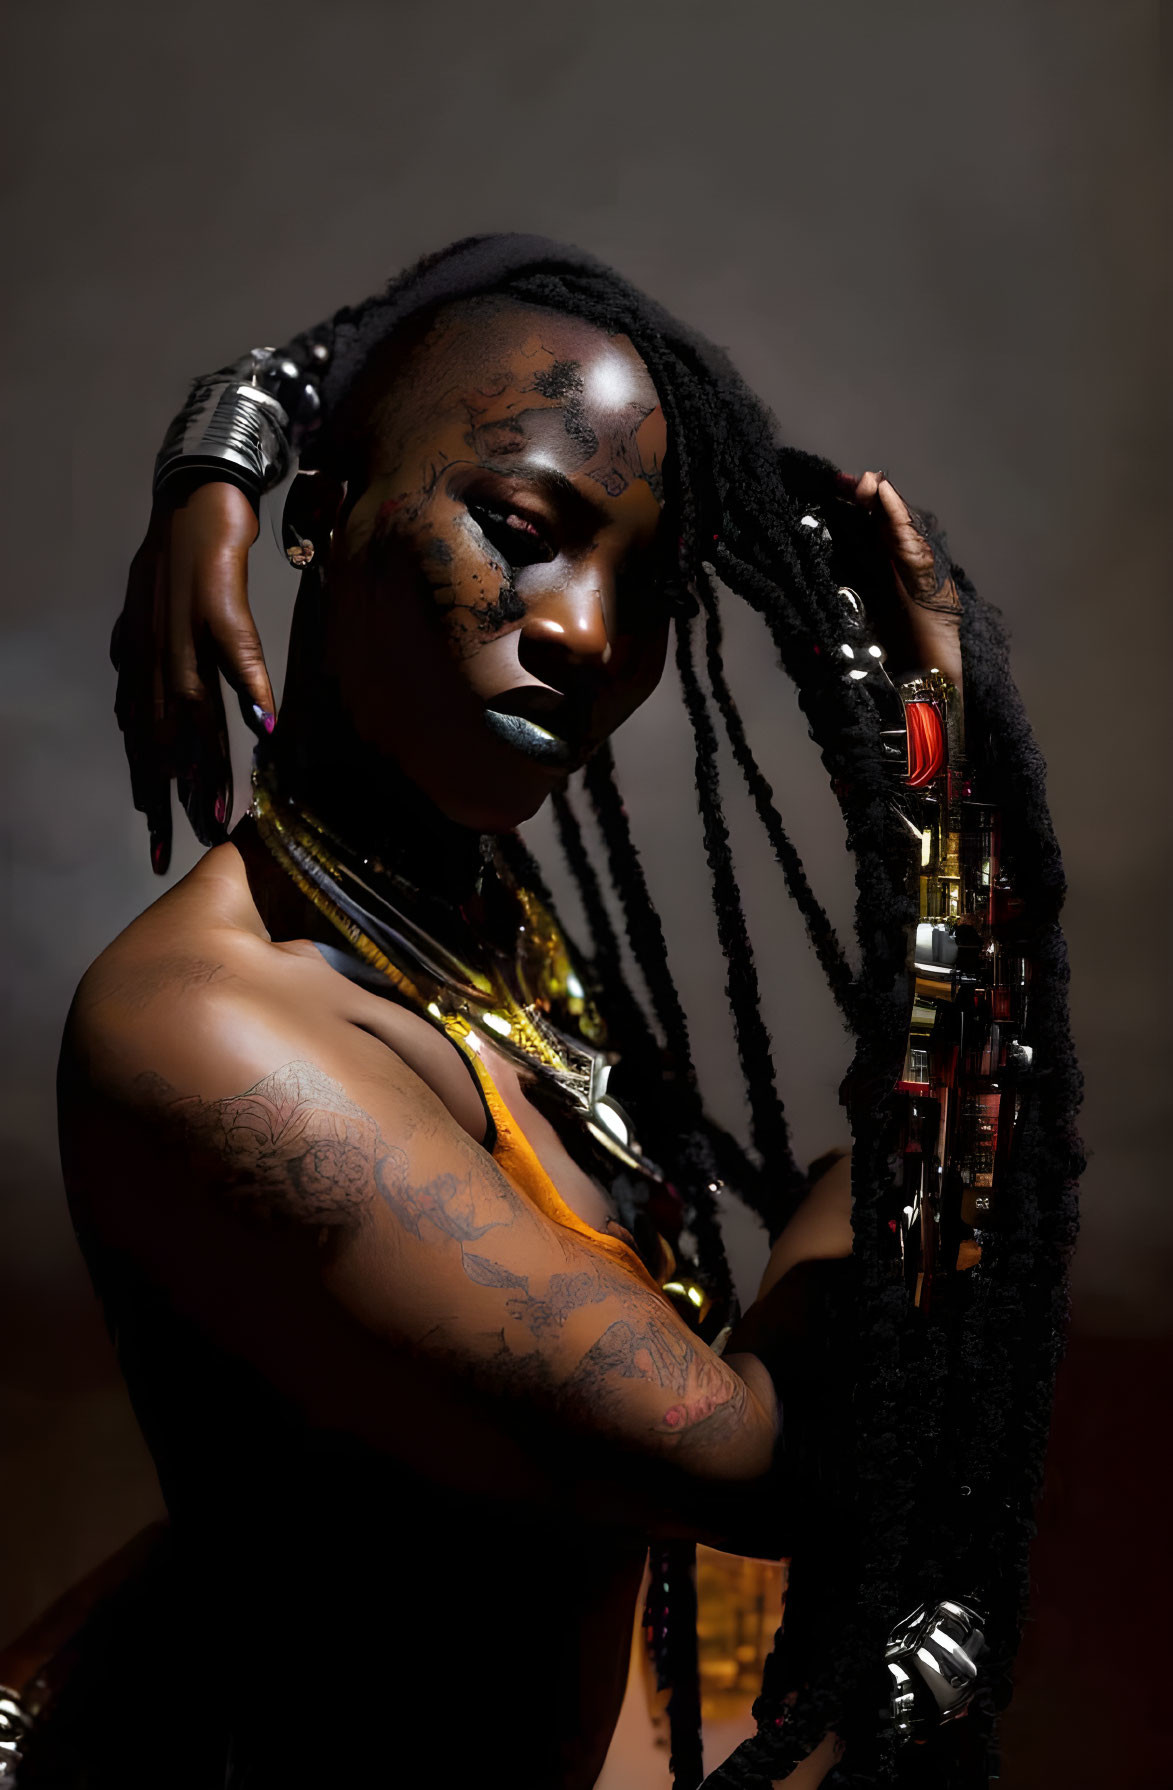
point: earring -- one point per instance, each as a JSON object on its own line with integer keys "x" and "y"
{"x": 297, "y": 519}
{"x": 296, "y": 545}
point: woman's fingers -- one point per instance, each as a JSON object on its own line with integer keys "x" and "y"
{"x": 156, "y": 805}
{"x": 139, "y": 703}
{"x": 150, "y": 773}
{"x": 240, "y": 653}
{"x": 213, "y": 753}
{"x": 912, "y": 551}
{"x": 211, "y": 631}
{"x": 219, "y": 527}
{"x": 185, "y": 621}
{"x": 202, "y": 765}
{"x": 154, "y": 746}
{"x": 930, "y": 605}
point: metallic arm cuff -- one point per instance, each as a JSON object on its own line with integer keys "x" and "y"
{"x": 243, "y": 423}
{"x": 15, "y": 1724}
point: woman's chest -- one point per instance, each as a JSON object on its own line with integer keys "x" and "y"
{"x": 453, "y": 1077}
{"x": 585, "y": 1196}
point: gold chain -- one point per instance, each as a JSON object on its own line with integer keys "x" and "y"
{"x": 484, "y": 1004}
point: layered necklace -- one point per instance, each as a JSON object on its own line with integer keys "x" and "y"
{"x": 511, "y": 983}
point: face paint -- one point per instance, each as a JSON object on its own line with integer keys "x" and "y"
{"x": 501, "y": 556}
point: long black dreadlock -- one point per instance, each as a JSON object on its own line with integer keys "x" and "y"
{"x": 941, "y": 1460}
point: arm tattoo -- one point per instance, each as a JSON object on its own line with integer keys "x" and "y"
{"x": 490, "y": 1274}
{"x": 708, "y": 1401}
{"x": 565, "y": 1293}
{"x": 448, "y": 1201}
{"x": 708, "y": 1398}
{"x": 297, "y": 1146}
{"x": 708, "y": 1411}
{"x": 627, "y": 1351}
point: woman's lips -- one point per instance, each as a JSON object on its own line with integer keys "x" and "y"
{"x": 539, "y": 723}
{"x": 526, "y": 736}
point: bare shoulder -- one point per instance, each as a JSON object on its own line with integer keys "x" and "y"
{"x": 198, "y": 968}
{"x": 176, "y": 941}
{"x": 190, "y": 955}
{"x": 193, "y": 995}
{"x": 195, "y": 1040}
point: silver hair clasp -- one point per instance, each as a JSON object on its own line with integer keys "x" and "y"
{"x": 932, "y": 1660}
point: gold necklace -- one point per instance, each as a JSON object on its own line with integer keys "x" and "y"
{"x": 530, "y": 1002}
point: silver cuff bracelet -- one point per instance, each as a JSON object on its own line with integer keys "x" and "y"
{"x": 246, "y": 422}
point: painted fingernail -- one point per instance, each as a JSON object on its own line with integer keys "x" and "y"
{"x": 160, "y": 854}
{"x": 220, "y": 809}
{"x": 267, "y": 721}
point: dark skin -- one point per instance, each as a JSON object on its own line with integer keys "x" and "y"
{"x": 332, "y": 1219}
{"x": 509, "y": 501}
{"x": 504, "y": 425}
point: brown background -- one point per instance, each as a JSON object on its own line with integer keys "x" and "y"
{"x": 929, "y": 235}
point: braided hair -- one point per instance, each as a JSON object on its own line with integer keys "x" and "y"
{"x": 941, "y": 1460}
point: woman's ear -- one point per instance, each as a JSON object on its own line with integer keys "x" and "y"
{"x": 307, "y": 521}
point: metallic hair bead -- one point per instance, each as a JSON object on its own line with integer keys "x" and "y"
{"x": 15, "y": 1725}
{"x": 817, "y": 526}
{"x": 932, "y": 1659}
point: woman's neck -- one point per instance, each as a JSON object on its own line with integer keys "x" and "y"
{"x": 386, "y": 821}
{"x": 364, "y": 798}
{"x": 377, "y": 819}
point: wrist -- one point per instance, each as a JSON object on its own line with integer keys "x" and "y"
{"x": 245, "y": 423}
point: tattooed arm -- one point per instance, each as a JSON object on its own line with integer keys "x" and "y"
{"x": 328, "y": 1220}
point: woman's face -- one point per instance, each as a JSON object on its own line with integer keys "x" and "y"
{"x": 493, "y": 593}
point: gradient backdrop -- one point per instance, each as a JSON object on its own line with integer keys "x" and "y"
{"x": 928, "y": 233}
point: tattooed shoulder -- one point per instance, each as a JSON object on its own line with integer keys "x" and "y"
{"x": 295, "y": 1145}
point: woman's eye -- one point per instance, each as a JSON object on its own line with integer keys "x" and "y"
{"x": 519, "y": 541}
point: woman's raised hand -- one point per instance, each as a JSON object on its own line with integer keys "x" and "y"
{"x": 928, "y": 599}
{"x": 186, "y": 618}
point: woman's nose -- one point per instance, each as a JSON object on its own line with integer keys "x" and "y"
{"x": 565, "y": 631}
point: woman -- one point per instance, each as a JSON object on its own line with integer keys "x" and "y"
{"x": 398, "y": 1289}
